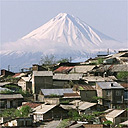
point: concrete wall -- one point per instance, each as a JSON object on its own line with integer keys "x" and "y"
{"x": 40, "y": 82}
{"x": 87, "y": 95}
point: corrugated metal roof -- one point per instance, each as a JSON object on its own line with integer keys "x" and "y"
{"x": 82, "y": 104}
{"x": 85, "y": 105}
{"x": 85, "y": 87}
{"x": 11, "y": 96}
{"x": 67, "y": 76}
{"x": 114, "y": 113}
{"x": 71, "y": 95}
{"x": 125, "y": 123}
{"x": 32, "y": 105}
{"x": 96, "y": 78}
{"x": 3, "y": 89}
{"x": 4, "y": 83}
{"x": 45, "y": 108}
{"x": 59, "y": 92}
{"x": 67, "y": 107}
{"x": 82, "y": 69}
{"x": 109, "y": 85}
{"x": 63, "y": 69}
{"x": 42, "y": 73}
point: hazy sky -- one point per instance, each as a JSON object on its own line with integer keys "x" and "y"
{"x": 19, "y": 17}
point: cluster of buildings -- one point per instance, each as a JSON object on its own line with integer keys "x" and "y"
{"x": 85, "y": 87}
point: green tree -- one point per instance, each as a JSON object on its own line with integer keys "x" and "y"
{"x": 123, "y": 75}
{"x": 74, "y": 115}
{"x": 25, "y": 111}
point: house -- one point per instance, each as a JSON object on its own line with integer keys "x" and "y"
{"x": 41, "y": 79}
{"x": 6, "y": 73}
{"x": 117, "y": 116}
{"x": 19, "y": 122}
{"x": 49, "y": 112}
{"x": 36, "y": 67}
{"x": 10, "y": 100}
{"x": 111, "y": 94}
{"x": 53, "y": 96}
{"x": 125, "y": 85}
{"x": 85, "y": 107}
{"x": 25, "y": 83}
{"x": 120, "y": 57}
{"x": 125, "y": 123}
{"x": 62, "y": 80}
{"x": 87, "y": 92}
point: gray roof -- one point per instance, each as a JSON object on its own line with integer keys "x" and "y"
{"x": 4, "y": 83}
{"x": 3, "y": 89}
{"x": 42, "y": 73}
{"x": 11, "y": 96}
{"x": 59, "y": 92}
{"x": 109, "y": 85}
{"x": 67, "y": 76}
{"x": 82, "y": 69}
{"x": 114, "y": 113}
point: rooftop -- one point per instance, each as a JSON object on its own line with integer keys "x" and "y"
{"x": 32, "y": 105}
{"x": 59, "y": 92}
{"x": 45, "y": 108}
{"x": 11, "y": 96}
{"x": 64, "y": 69}
{"x": 114, "y": 113}
{"x": 67, "y": 76}
{"x": 42, "y": 73}
{"x": 82, "y": 69}
{"x": 109, "y": 85}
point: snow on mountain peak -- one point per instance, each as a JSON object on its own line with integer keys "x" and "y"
{"x": 68, "y": 29}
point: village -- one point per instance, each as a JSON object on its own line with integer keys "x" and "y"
{"x": 90, "y": 94}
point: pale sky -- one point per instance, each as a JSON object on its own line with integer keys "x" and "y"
{"x": 19, "y": 17}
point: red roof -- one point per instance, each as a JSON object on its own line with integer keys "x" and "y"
{"x": 64, "y": 69}
{"x": 125, "y": 85}
{"x": 71, "y": 95}
{"x": 32, "y": 105}
{"x": 17, "y": 74}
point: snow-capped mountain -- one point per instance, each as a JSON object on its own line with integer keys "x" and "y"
{"x": 63, "y": 36}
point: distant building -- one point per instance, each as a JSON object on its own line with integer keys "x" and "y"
{"x": 10, "y": 100}
{"x": 19, "y": 122}
{"x": 111, "y": 93}
{"x": 6, "y": 73}
{"x": 25, "y": 83}
{"x": 117, "y": 116}
{"x": 41, "y": 79}
{"x": 50, "y": 112}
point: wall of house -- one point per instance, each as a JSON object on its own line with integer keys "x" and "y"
{"x": 40, "y": 82}
{"x": 59, "y": 84}
{"x": 99, "y": 94}
{"x": 52, "y": 100}
{"x": 56, "y": 113}
{"x": 22, "y": 83}
{"x": 87, "y": 95}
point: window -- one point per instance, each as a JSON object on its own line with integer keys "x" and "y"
{"x": 118, "y": 93}
{"x": 108, "y": 92}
